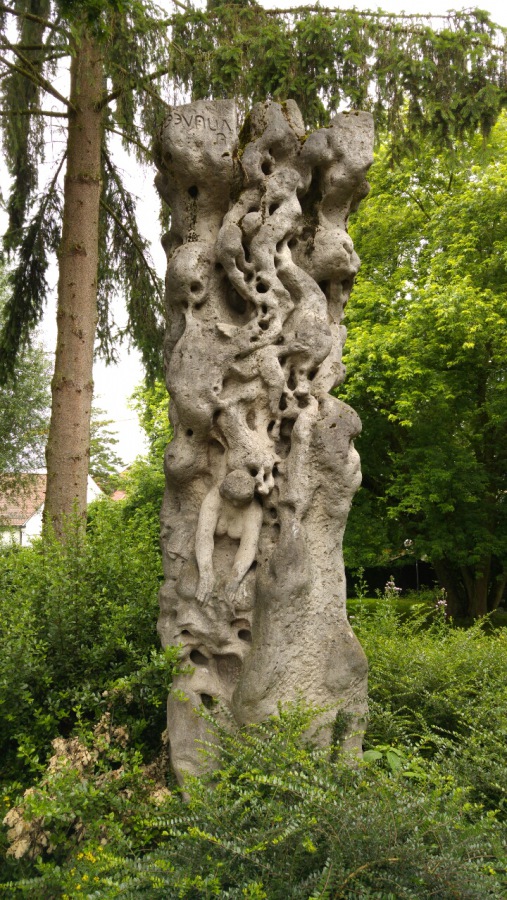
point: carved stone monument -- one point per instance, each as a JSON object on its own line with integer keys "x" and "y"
{"x": 262, "y": 469}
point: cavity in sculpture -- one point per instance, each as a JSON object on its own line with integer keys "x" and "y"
{"x": 262, "y": 469}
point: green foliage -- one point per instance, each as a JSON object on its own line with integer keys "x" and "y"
{"x": 132, "y": 39}
{"x": 145, "y": 482}
{"x": 104, "y": 461}
{"x": 78, "y": 637}
{"x": 441, "y": 692}
{"x": 426, "y": 368}
{"x": 424, "y": 814}
{"x": 24, "y": 407}
{"x": 278, "y": 819}
{"x": 417, "y": 78}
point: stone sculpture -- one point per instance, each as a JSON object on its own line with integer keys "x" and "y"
{"x": 262, "y": 468}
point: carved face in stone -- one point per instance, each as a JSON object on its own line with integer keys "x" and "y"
{"x": 238, "y": 487}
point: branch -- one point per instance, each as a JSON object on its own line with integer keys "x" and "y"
{"x": 130, "y": 140}
{"x": 131, "y": 238}
{"x": 41, "y": 81}
{"x": 119, "y": 91}
{"x": 33, "y": 18}
{"x": 35, "y": 112}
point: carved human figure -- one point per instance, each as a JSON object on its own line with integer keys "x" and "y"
{"x": 230, "y": 509}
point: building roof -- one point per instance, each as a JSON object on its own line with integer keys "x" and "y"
{"x": 23, "y": 494}
{"x": 20, "y": 498}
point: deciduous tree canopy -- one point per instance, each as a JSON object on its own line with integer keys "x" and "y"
{"x": 427, "y": 368}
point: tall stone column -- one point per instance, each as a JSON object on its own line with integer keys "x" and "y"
{"x": 262, "y": 468}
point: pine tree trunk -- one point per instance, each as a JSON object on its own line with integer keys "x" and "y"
{"x": 68, "y": 449}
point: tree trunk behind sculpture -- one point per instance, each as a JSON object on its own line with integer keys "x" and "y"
{"x": 68, "y": 448}
{"x": 262, "y": 468}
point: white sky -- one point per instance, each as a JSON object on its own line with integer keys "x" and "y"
{"x": 114, "y": 385}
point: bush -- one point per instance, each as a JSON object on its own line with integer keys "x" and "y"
{"x": 283, "y": 821}
{"x": 442, "y": 691}
{"x": 78, "y": 637}
{"x": 423, "y": 815}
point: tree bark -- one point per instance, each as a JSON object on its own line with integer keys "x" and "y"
{"x": 68, "y": 448}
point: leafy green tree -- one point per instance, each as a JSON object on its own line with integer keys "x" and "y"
{"x": 105, "y": 463}
{"x": 427, "y": 368}
{"x": 450, "y": 79}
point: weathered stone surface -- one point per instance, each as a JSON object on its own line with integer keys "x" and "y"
{"x": 262, "y": 468}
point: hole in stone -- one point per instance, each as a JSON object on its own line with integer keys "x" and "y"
{"x": 245, "y": 635}
{"x": 280, "y": 340}
{"x": 207, "y": 701}
{"x": 292, "y": 243}
{"x": 168, "y": 157}
{"x": 303, "y": 402}
{"x": 193, "y": 191}
{"x": 279, "y": 246}
{"x": 252, "y": 209}
{"x": 235, "y": 301}
{"x": 273, "y": 208}
{"x": 324, "y": 286}
{"x": 261, "y": 288}
{"x": 216, "y": 445}
{"x": 225, "y": 154}
{"x": 276, "y": 470}
{"x": 250, "y": 419}
{"x": 312, "y": 374}
{"x": 286, "y": 429}
{"x": 255, "y": 337}
{"x": 229, "y": 667}
{"x": 195, "y": 286}
{"x": 271, "y": 425}
{"x": 264, "y": 308}
{"x": 246, "y": 251}
{"x": 186, "y": 633}
{"x": 283, "y": 358}
{"x": 199, "y": 305}
{"x": 276, "y": 529}
{"x": 291, "y": 382}
{"x": 216, "y": 416}
{"x": 189, "y": 432}
{"x": 219, "y": 267}
{"x": 264, "y": 325}
{"x": 347, "y": 285}
{"x": 272, "y": 512}
{"x": 198, "y": 658}
{"x": 185, "y": 304}
{"x": 266, "y": 167}
{"x": 253, "y": 471}
{"x": 253, "y": 566}
{"x": 283, "y": 402}
{"x": 333, "y": 425}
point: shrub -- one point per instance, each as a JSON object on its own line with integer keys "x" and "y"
{"x": 282, "y": 820}
{"x": 78, "y": 637}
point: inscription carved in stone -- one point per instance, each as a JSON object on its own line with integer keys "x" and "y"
{"x": 262, "y": 468}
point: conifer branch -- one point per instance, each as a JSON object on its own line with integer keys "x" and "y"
{"x": 33, "y": 18}
{"x": 119, "y": 91}
{"x": 32, "y": 71}
{"x": 34, "y": 112}
{"x": 129, "y": 139}
{"x": 135, "y": 243}
{"x": 37, "y": 81}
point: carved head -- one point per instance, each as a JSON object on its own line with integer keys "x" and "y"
{"x": 238, "y": 487}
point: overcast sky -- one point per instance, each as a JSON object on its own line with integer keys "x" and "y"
{"x": 114, "y": 385}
